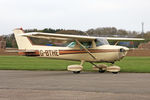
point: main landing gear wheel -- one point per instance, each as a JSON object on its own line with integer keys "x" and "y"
{"x": 115, "y": 72}
{"x": 101, "y": 71}
{"x": 76, "y": 72}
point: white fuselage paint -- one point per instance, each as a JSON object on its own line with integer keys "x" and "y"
{"x": 109, "y": 53}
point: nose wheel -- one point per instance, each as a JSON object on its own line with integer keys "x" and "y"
{"x": 115, "y": 72}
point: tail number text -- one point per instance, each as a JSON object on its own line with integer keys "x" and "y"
{"x": 49, "y": 52}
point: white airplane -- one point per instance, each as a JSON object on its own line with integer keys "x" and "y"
{"x": 81, "y": 48}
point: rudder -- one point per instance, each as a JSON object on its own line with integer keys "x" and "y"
{"x": 23, "y": 42}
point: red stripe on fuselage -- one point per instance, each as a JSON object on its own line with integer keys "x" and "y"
{"x": 62, "y": 52}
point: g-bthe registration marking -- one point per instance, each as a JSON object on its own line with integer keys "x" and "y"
{"x": 49, "y": 52}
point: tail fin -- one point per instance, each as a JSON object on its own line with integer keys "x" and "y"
{"x": 22, "y": 42}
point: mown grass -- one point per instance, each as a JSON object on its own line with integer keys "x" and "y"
{"x": 128, "y": 64}
{"x": 135, "y": 64}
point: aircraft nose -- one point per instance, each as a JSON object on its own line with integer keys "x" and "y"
{"x": 124, "y": 49}
{"x": 123, "y": 52}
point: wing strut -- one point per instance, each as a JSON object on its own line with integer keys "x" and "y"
{"x": 85, "y": 49}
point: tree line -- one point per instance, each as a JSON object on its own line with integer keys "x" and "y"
{"x": 99, "y": 32}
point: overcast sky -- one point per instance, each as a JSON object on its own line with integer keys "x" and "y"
{"x": 74, "y": 14}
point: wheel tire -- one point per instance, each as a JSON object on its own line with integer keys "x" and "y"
{"x": 115, "y": 72}
{"x": 76, "y": 72}
{"x": 102, "y": 71}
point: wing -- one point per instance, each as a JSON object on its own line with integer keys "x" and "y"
{"x": 75, "y": 37}
{"x": 58, "y": 36}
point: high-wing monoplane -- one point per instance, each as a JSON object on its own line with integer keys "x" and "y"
{"x": 79, "y": 48}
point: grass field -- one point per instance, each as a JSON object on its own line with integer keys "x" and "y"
{"x": 128, "y": 64}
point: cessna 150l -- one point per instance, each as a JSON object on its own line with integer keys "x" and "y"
{"x": 81, "y": 48}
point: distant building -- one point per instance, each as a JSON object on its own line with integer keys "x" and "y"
{"x": 2, "y": 43}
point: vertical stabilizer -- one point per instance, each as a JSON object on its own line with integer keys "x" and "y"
{"x": 22, "y": 42}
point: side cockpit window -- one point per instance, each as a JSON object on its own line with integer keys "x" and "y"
{"x": 98, "y": 41}
{"x": 101, "y": 41}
